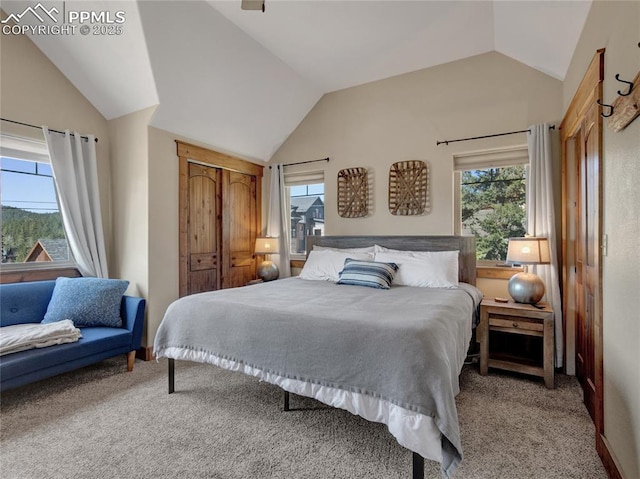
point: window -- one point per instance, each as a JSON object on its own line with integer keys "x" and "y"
{"x": 306, "y": 203}
{"x": 490, "y": 193}
{"x": 32, "y": 230}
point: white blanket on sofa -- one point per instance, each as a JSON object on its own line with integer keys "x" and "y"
{"x": 21, "y": 337}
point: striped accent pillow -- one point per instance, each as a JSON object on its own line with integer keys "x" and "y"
{"x": 372, "y": 274}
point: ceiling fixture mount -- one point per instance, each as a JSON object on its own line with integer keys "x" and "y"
{"x": 252, "y": 5}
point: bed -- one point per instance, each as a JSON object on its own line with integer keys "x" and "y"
{"x": 389, "y": 355}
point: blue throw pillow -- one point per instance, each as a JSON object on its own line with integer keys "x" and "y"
{"x": 87, "y": 302}
{"x": 373, "y": 274}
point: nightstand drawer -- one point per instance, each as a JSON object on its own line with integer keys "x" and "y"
{"x": 506, "y": 323}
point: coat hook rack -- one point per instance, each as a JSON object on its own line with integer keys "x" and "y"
{"x": 627, "y": 82}
{"x": 626, "y": 107}
{"x": 605, "y": 105}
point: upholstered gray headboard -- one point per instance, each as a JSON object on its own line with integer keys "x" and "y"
{"x": 466, "y": 245}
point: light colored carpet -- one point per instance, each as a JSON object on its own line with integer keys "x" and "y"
{"x": 102, "y": 422}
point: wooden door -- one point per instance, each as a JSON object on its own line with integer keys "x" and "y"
{"x": 581, "y": 132}
{"x": 588, "y": 260}
{"x": 240, "y": 227}
{"x": 578, "y": 248}
{"x": 220, "y": 217}
{"x": 204, "y": 224}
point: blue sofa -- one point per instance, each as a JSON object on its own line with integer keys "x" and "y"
{"x": 27, "y": 303}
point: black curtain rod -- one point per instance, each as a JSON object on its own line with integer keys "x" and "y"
{"x": 40, "y": 128}
{"x": 446, "y": 142}
{"x": 303, "y": 162}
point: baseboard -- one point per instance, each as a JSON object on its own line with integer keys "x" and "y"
{"x": 609, "y": 460}
{"x": 145, "y": 353}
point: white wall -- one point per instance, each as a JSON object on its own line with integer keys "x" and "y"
{"x": 615, "y": 26}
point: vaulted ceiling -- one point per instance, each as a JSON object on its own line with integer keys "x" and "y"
{"x": 242, "y": 81}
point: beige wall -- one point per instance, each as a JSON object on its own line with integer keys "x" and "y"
{"x": 373, "y": 125}
{"x": 34, "y": 91}
{"x": 163, "y": 227}
{"x": 137, "y": 167}
{"x": 615, "y": 26}
{"x": 493, "y": 288}
{"x": 400, "y": 118}
{"x": 163, "y": 224}
{"x": 130, "y": 175}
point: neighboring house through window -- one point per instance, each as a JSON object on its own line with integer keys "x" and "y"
{"x": 490, "y": 200}
{"x": 32, "y": 230}
{"x": 305, "y": 192}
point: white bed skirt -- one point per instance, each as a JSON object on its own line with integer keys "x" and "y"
{"x": 412, "y": 430}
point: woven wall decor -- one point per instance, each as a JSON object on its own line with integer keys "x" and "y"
{"x": 409, "y": 188}
{"x": 353, "y": 193}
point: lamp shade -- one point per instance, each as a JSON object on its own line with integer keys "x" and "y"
{"x": 252, "y": 5}
{"x": 529, "y": 250}
{"x": 267, "y": 245}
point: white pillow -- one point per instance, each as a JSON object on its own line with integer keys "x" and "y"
{"x": 424, "y": 269}
{"x": 368, "y": 249}
{"x": 325, "y": 265}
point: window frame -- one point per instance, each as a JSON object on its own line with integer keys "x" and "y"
{"x": 301, "y": 178}
{"x": 34, "y": 150}
{"x": 477, "y": 160}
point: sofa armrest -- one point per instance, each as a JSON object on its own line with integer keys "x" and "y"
{"x": 132, "y": 312}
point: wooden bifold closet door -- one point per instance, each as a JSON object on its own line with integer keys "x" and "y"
{"x": 204, "y": 228}
{"x": 219, "y": 220}
{"x": 240, "y": 215}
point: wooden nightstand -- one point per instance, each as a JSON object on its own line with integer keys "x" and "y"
{"x": 523, "y": 319}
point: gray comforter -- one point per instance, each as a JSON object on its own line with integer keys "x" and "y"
{"x": 404, "y": 345}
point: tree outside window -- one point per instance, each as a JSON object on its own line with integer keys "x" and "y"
{"x": 493, "y": 208}
{"x": 32, "y": 229}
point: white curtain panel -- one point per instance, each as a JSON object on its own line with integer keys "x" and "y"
{"x": 277, "y": 220}
{"x": 541, "y": 220}
{"x": 74, "y": 165}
